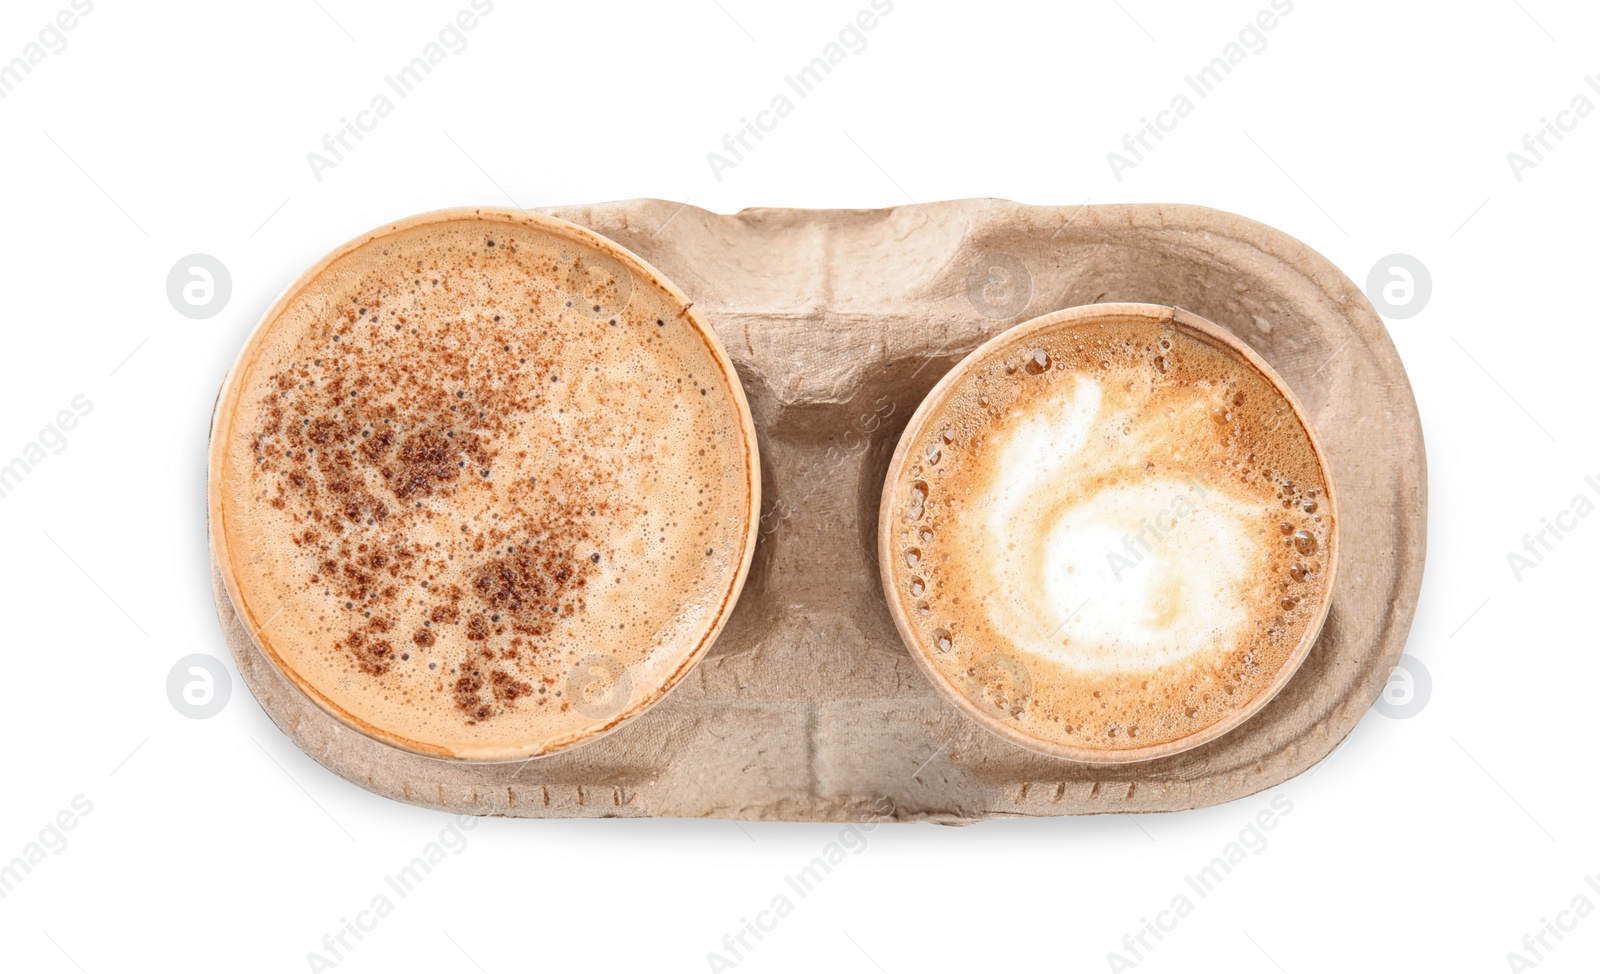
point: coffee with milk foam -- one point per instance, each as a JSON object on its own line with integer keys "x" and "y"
{"x": 484, "y": 490}
{"x": 1110, "y": 536}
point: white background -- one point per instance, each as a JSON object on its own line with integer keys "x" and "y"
{"x": 1363, "y": 128}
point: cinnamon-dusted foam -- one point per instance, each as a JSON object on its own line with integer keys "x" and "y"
{"x": 1110, "y": 536}
{"x": 482, "y": 488}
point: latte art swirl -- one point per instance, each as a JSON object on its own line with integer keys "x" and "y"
{"x": 1144, "y": 571}
{"x": 1109, "y": 534}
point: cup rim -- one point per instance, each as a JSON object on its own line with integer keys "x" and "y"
{"x": 232, "y": 389}
{"x": 1197, "y": 327}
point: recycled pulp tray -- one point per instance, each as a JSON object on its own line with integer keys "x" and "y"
{"x": 809, "y": 707}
